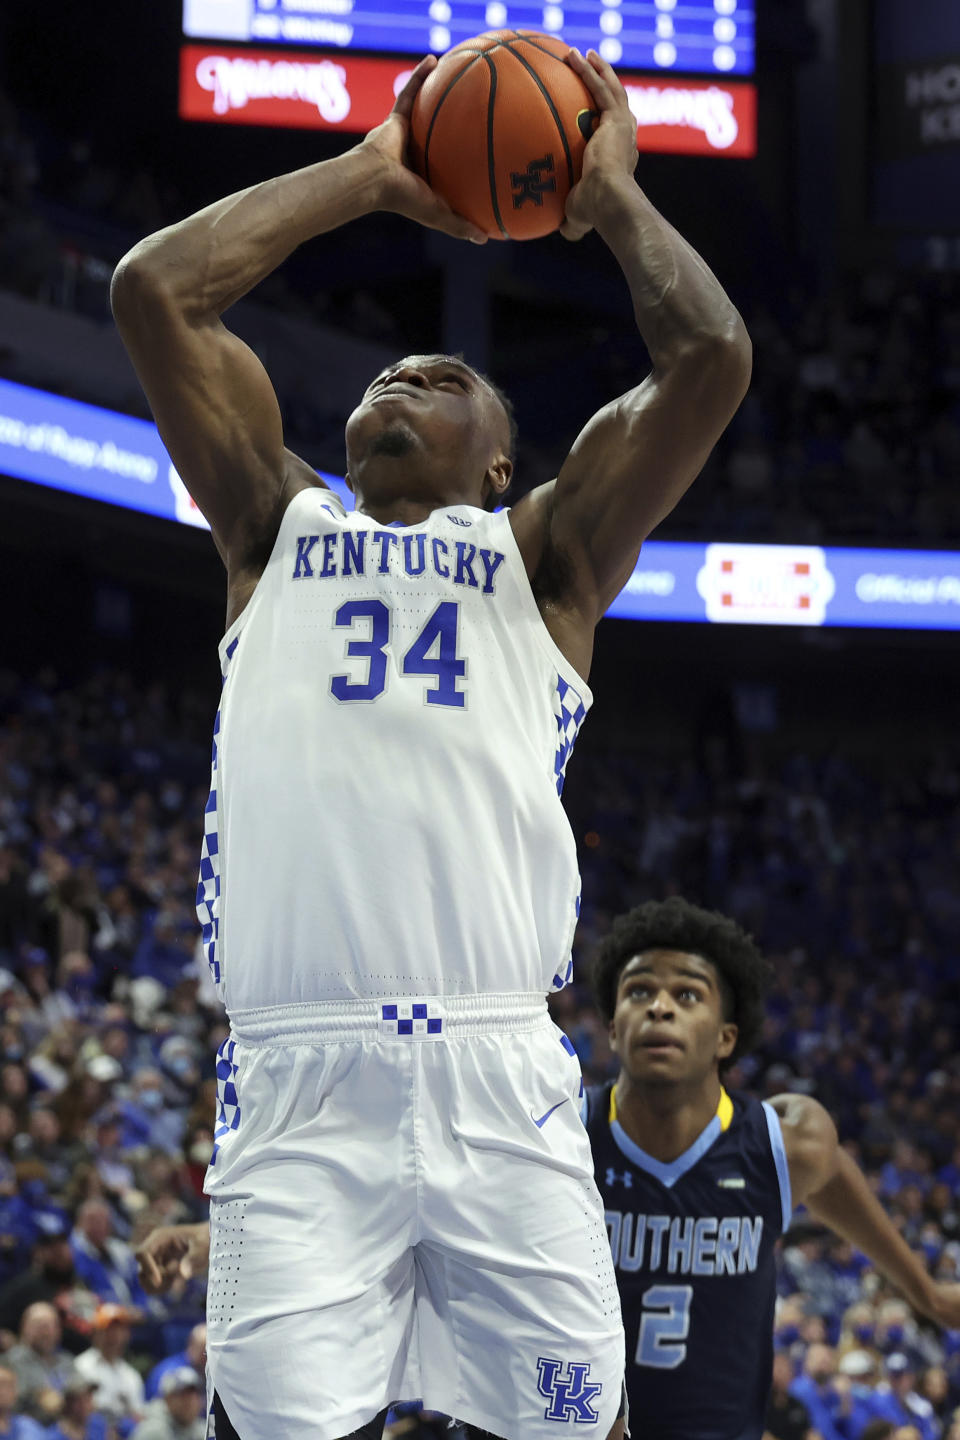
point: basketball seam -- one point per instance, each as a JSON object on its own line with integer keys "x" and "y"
{"x": 553, "y": 109}
{"x": 491, "y": 168}
{"x": 436, "y": 112}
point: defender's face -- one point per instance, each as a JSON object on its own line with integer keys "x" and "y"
{"x": 668, "y": 1024}
{"x": 431, "y": 401}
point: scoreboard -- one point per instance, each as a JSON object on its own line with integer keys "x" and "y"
{"x": 687, "y": 65}
{"x": 695, "y": 37}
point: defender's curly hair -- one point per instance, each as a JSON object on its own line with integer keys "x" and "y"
{"x": 676, "y": 924}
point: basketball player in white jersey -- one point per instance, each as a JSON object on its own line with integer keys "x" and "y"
{"x": 402, "y": 1201}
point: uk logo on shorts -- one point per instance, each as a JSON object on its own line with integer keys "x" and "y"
{"x": 567, "y": 1388}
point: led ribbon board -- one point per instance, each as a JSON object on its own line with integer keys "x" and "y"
{"x": 701, "y": 37}
{"x": 107, "y": 456}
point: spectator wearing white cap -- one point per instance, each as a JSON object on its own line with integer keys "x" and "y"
{"x": 179, "y": 1414}
{"x": 897, "y": 1399}
{"x": 119, "y": 1387}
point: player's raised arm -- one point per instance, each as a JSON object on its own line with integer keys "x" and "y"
{"x": 211, "y": 397}
{"x": 637, "y": 456}
{"x": 826, "y": 1179}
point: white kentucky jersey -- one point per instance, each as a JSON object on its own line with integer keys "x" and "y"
{"x": 391, "y": 743}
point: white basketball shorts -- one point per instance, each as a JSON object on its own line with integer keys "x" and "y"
{"x": 403, "y": 1208}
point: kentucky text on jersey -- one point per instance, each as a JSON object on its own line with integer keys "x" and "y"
{"x": 345, "y": 554}
{"x": 710, "y": 1245}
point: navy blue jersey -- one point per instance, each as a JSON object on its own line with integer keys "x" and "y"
{"x": 693, "y": 1246}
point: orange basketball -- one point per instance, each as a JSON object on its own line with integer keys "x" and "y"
{"x": 498, "y": 129}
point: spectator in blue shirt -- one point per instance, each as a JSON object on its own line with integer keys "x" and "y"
{"x": 193, "y": 1357}
{"x": 78, "y": 1420}
{"x": 13, "y": 1426}
{"x": 103, "y": 1262}
{"x": 899, "y": 1402}
{"x": 814, "y": 1388}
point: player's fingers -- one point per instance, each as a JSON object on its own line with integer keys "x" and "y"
{"x": 609, "y": 76}
{"x": 591, "y": 77}
{"x": 572, "y": 230}
{"x": 437, "y": 215}
{"x": 403, "y": 104}
{"x": 150, "y": 1275}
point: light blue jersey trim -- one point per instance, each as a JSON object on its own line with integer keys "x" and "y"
{"x": 780, "y": 1160}
{"x": 584, "y": 1108}
{"x": 667, "y": 1174}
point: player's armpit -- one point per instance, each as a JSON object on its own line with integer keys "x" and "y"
{"x": 213, "y": 402}
{"x": 637, "y": 456}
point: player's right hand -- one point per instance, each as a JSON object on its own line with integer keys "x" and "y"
{"x": 171, "y": 1253}
{"x": 404, "y": 193}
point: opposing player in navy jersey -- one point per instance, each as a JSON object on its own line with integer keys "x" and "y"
{"x": 698, "y": 1184}
{"x": 402, "y": 1195}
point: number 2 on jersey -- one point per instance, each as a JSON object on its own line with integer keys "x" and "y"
{"x": 439, "y": 636}
{"x": 664, "y": 1326}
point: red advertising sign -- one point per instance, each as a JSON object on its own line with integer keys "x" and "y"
{"x": 346, "y": 92}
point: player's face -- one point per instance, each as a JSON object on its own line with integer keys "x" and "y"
{"x": 429, "y": 407}
{"x": 668, "y": 1025}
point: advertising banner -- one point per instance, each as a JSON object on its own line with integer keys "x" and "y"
{"x": 316, "y": 91}
{"x": 88, "y": 451}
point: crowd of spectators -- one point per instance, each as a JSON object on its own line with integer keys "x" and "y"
{"x": 850, "y": 433}
{"x": 109, "y": 1028}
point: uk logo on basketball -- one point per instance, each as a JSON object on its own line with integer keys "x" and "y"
{"x": 533, "y": 183}
{"x": 569, "y": 1391}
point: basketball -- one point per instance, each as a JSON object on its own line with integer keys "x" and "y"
{"x": 498, "y": 130}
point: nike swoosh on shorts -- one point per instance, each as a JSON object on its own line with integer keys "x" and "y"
{"x": 546, "y": 1116}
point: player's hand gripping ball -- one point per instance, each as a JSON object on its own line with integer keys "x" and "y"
{"x": 499, "y": 129}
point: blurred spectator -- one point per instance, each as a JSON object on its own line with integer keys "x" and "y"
{"x": 51, "y": 1278}
{"x": 40, "y": 1363}
{"x": 787, "y": 1416}
{"x": 13, "y": 1426}
{"x": 105, "y": 1263}
{"x": 119, "y": 1388}
{"x": 192, "y": 1357}
{"x": 179, "y": 1415}
{"x": 815, "y": 1389}
{"x": 78, "y": 1420}
{"x": 899, "y": 1401}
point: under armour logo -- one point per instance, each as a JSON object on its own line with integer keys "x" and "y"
{"x": 533, "y": 183}
{"x": 569, "y": 1393}
{"x": 614, "y": 1177}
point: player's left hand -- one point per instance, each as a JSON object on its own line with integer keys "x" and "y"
{"x": 612, "y": 148}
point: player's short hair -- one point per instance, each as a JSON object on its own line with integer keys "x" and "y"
{"x": 676, "y": 924}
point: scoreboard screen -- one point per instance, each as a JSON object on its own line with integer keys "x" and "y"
{"x": 699, "y": 37}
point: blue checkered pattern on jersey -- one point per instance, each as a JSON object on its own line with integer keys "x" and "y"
{"x": 569, "y": 710}
{"x": 228, "y": 1103}
{"x": 559, "y": 981}
{"x": 208, "y": 885}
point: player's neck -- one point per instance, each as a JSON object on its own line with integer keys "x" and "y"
{"x": 665, "y": 1120}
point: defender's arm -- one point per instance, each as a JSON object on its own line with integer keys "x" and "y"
{"x": 825, "y": 1178}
